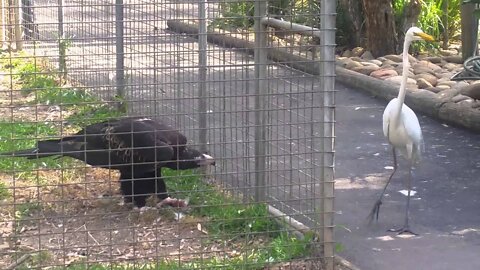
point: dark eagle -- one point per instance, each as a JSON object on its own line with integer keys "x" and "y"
{"x": 137, "y": 147}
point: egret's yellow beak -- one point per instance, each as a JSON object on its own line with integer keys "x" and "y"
{"x": 424, "y": 36}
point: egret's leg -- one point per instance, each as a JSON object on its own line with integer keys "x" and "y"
{"x": 376, "y": 207}
{"x": 406, "y": 226}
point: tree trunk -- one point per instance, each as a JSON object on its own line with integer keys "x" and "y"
{"x": 445, "y": 25}
{"x": 353, "y": 11}
{"x": 411, "y": 12}
{"x": 380, "y": 27}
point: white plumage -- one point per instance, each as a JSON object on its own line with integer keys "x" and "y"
{"x": 402, "y": 129}
{"x": 405, "y": 134}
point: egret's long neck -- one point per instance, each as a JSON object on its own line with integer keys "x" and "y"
{"x": 403, "y": 83}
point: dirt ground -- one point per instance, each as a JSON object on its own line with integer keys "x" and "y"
{"x": 76, "y": 214}
{"x": 64, "y": 216}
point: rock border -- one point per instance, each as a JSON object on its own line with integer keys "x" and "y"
{"x": 437, "y": 106}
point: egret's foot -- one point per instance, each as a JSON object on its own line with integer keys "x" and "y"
{"x": 173, "y": 202}
{"x": 404, "y": 229}
{"x": 375, "y": 211}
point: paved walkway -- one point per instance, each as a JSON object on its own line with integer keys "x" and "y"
{"x": 445, "y": 211}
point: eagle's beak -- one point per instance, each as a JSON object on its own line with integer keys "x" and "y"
{"x": 207, "y": 160}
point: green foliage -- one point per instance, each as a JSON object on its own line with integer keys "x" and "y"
{"x": 431, "y": 16}
{"x": 286, "y": 247}
{"x": 64, "y": 96}
{"x": 240, "y": 14}
{"x": 225, "y": 213}
{"x": 89, "y": 113}
{"x": 23, "y": 135}
{"x": 235, "y": 14}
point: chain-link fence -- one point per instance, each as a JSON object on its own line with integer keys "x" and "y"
{"x": 248, "y": 83}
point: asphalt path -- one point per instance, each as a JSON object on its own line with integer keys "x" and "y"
{"x": 445, "y": 211}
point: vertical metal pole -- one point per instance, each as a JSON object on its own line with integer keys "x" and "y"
{"x": 469, "y": 29}
{"x": 260, "y": 57}
{"x": 18, "y": 26}
{"x": 3, "y": 23}
{"x": 62, "y": 48}
{"x": 327, "y": 73}
{"x": 202, "y": 74}
{"x": 120, "y": 55}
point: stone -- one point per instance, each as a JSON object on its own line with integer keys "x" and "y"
{"x": 433, "y": 59}
{"x": 367, "y": 55}
{"x": 459, "y": 98}
{"x": 343, "y": 61}
{"x": 434, "y": 89}
{"x": 356, "y": 58}
{"x": 423, "y": 84}
{"x": 368, "y": 64}
{"x": 357, "y": 51}
{"x": 472, "y": 90}
{"x": 431, "y": 79}
{"x": 476, "y": 104}
{"x": 347, "y": 53}
{"x": 381, "y": 58}
{"x": 376, "y": 62}
{"x": 451, "y": 66}
{"x": 461, "y": 84}
{"x": 412, "y": 59}
{"x": 389, "y": 63}
{"x": 399, "y": 70}
{"x": 365, "y": 69}
{"x": 433, "y": 66}
{"x": 456, "y": 59}
{"x": 383, "y": 73}
{"x": 394, "y": 58}
{"x": 353, "y": 64}
{"x": 398, "y": 79}
{"x": 447, "y": 52}
{"x": 418, "y": 68}
{"x": 449, "y": 83}
{"x": 443, "y": 86}
{"x": 447, "y": 94}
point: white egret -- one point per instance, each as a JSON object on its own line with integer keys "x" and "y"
{"x": 402, "y": 130}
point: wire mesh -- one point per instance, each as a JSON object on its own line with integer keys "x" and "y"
{"x": 258, "y": 98}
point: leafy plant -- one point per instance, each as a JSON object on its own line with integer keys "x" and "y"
{"x": 431, "y": 17}
{"x": 237, "y": 14}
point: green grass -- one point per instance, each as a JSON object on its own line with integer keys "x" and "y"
{"x": 225, "y": 217}
{"x": 86, "y": 114}
{"x": 228, "y": 217}
{"x": 23, "y": 135}
{"x": 225, "y": 213}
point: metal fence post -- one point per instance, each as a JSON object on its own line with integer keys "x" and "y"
{"x": 120, "y": 55}
{"x": 260, "y": 57}
{"x": 327, "y": 73}
{"x": 62, "y": 46}
{"x": 202, "y": 75}
{"x": 18, "y": 26}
